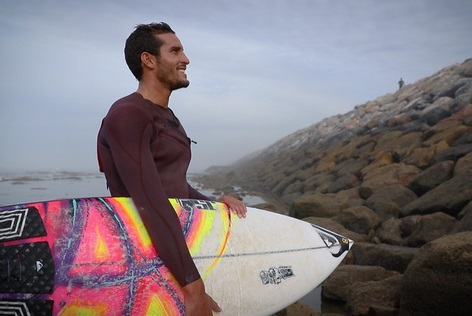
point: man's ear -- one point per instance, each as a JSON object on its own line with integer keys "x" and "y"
{"x": 148, "y": 60}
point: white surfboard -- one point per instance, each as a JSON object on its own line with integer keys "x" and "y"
{"x": 274, "y": 260}
{"x": 94, "y": 255}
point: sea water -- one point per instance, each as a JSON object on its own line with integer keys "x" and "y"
{"x": 23, "y": 187}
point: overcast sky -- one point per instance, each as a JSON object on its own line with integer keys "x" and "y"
{"x": 259, "y": 70}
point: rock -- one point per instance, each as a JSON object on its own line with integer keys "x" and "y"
{"x": 384, "y": 209}
{"x": 451, "y": 90}
{"x": 447, "y": 131}
{"x": 359, "y": 219}
{"x": 466, "y": 138}
{"x": 319, "y": 183}
{"x": 431, "y": 177}
{"x": 283, "y": 184}
{"x": 430, "y": 227}
{"x": 454, "y": 153}
{"x": 440, "y": 109}
{"x": 375, "y": 297}
{"x": 289, "y": 198}
{"x": 351, "y": 166}
{"x": 297, "y": 309}
{"x": 318, "y": 205}
{"x": 449, "y": 197}
{"x": 387, "y": 176}
{"x": 468, "y": 119}
{"x": 408, "y": 225}
{"x": 389, "y": 232}
{"x": 390, "y": 257}
{"x": 463, "y": 95}
{"x": 463, "y": 164}
{"x": 423, "y": 157}
{"x": 294, "y": 187}
{"x": 465, "y": 69}
{"x": 438, "y": 280}
{"x": 338, "y": 284}
{"x": 383, "y": 160}
{"x": 465, "y": 223}
{"x": 345, "y": 182}
{"x": 388, "y": 201}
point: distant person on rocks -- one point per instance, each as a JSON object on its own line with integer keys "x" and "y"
{"x": 145, "y": 153}
{"x": 401, "y": 83}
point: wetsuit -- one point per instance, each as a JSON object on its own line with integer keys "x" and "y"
{"x": 145, "y": 153}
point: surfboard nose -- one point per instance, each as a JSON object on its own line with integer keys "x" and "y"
{"x": 337, "y": 244}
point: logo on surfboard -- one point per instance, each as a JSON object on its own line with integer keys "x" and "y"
{"x": 276, "y": 275}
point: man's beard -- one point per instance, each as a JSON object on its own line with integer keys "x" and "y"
{"x": 180, "y": 83}
{"x": 166, "y": 76}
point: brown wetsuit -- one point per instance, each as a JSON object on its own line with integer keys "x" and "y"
{"x": 145, "y": 153}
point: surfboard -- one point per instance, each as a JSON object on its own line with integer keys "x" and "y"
{"x": 93, "y": 256}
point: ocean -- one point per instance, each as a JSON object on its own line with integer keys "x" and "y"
{"x": 23, "y": 187}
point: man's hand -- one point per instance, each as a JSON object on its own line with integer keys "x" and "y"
{"x": 197, "y": 302}
{"x": 235, "y": 205}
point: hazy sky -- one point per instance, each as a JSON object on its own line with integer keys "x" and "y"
{"x": 259, "y": 70}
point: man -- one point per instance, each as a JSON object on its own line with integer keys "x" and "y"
{"x": 401, "y": 83}
{"x": 144, "y": 152}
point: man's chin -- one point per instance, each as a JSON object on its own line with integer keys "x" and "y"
{"x": 181, "y": 84}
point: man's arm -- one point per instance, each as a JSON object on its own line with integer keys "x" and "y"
{"x": 235, "y": 205}
{"x": 128, "y": 135}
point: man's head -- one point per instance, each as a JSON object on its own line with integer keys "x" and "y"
{"x": 144, "y": 39}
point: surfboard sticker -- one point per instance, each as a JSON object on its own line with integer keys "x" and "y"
{"x": 26, "y": 268}
{"x": 276, "y": 275}
{"x": 26, "y": 307}
{"x": 337, "y": 244}
{"x": 20, "y": 223}
{"x": 93, "y": 256}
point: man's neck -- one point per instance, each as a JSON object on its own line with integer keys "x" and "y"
{"x": 157, "y": 95}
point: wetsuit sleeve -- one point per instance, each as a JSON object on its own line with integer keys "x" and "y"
{"x": 128, "y": 134}
{"x": 194, "y": 194}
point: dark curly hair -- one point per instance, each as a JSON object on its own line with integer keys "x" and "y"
{"x": 144, "y": 39}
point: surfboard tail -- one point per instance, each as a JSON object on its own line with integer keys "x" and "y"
{"x": 337, "y": 244}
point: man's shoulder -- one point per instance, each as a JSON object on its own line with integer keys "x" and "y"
{"x": 129, "y": 104}
{"x": 131, "y": 100}
{"x": 130, "y": 107}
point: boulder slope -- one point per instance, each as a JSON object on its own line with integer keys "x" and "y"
{"x": 394, "y": 172}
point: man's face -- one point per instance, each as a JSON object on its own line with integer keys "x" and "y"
{"x": 172, "y": 63}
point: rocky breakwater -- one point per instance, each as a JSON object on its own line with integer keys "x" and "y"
{"x": 395, "y": 175}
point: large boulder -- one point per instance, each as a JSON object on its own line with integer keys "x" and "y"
{"x": 465, "y": 223}
{"x": 438, "y": 280}
{"x": 432, "y": 177}
{"x": 394, "y": 258}
{"x": 319, "y": 183}
{"x": 464, "y": 163}
{"x": 319, "y": 205}
{"x": 359, "y": 219}
{"x": 297, "y": 309}
{"x": 390, "y": 232}
{"x": 430, "y": 227}
{"x": 387, "y": 202}
{"x": 375, "y": 297}
{"x": 387, "y": 176}
{"x": 449, "y": 197}
{"x": 339, "y": 283}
